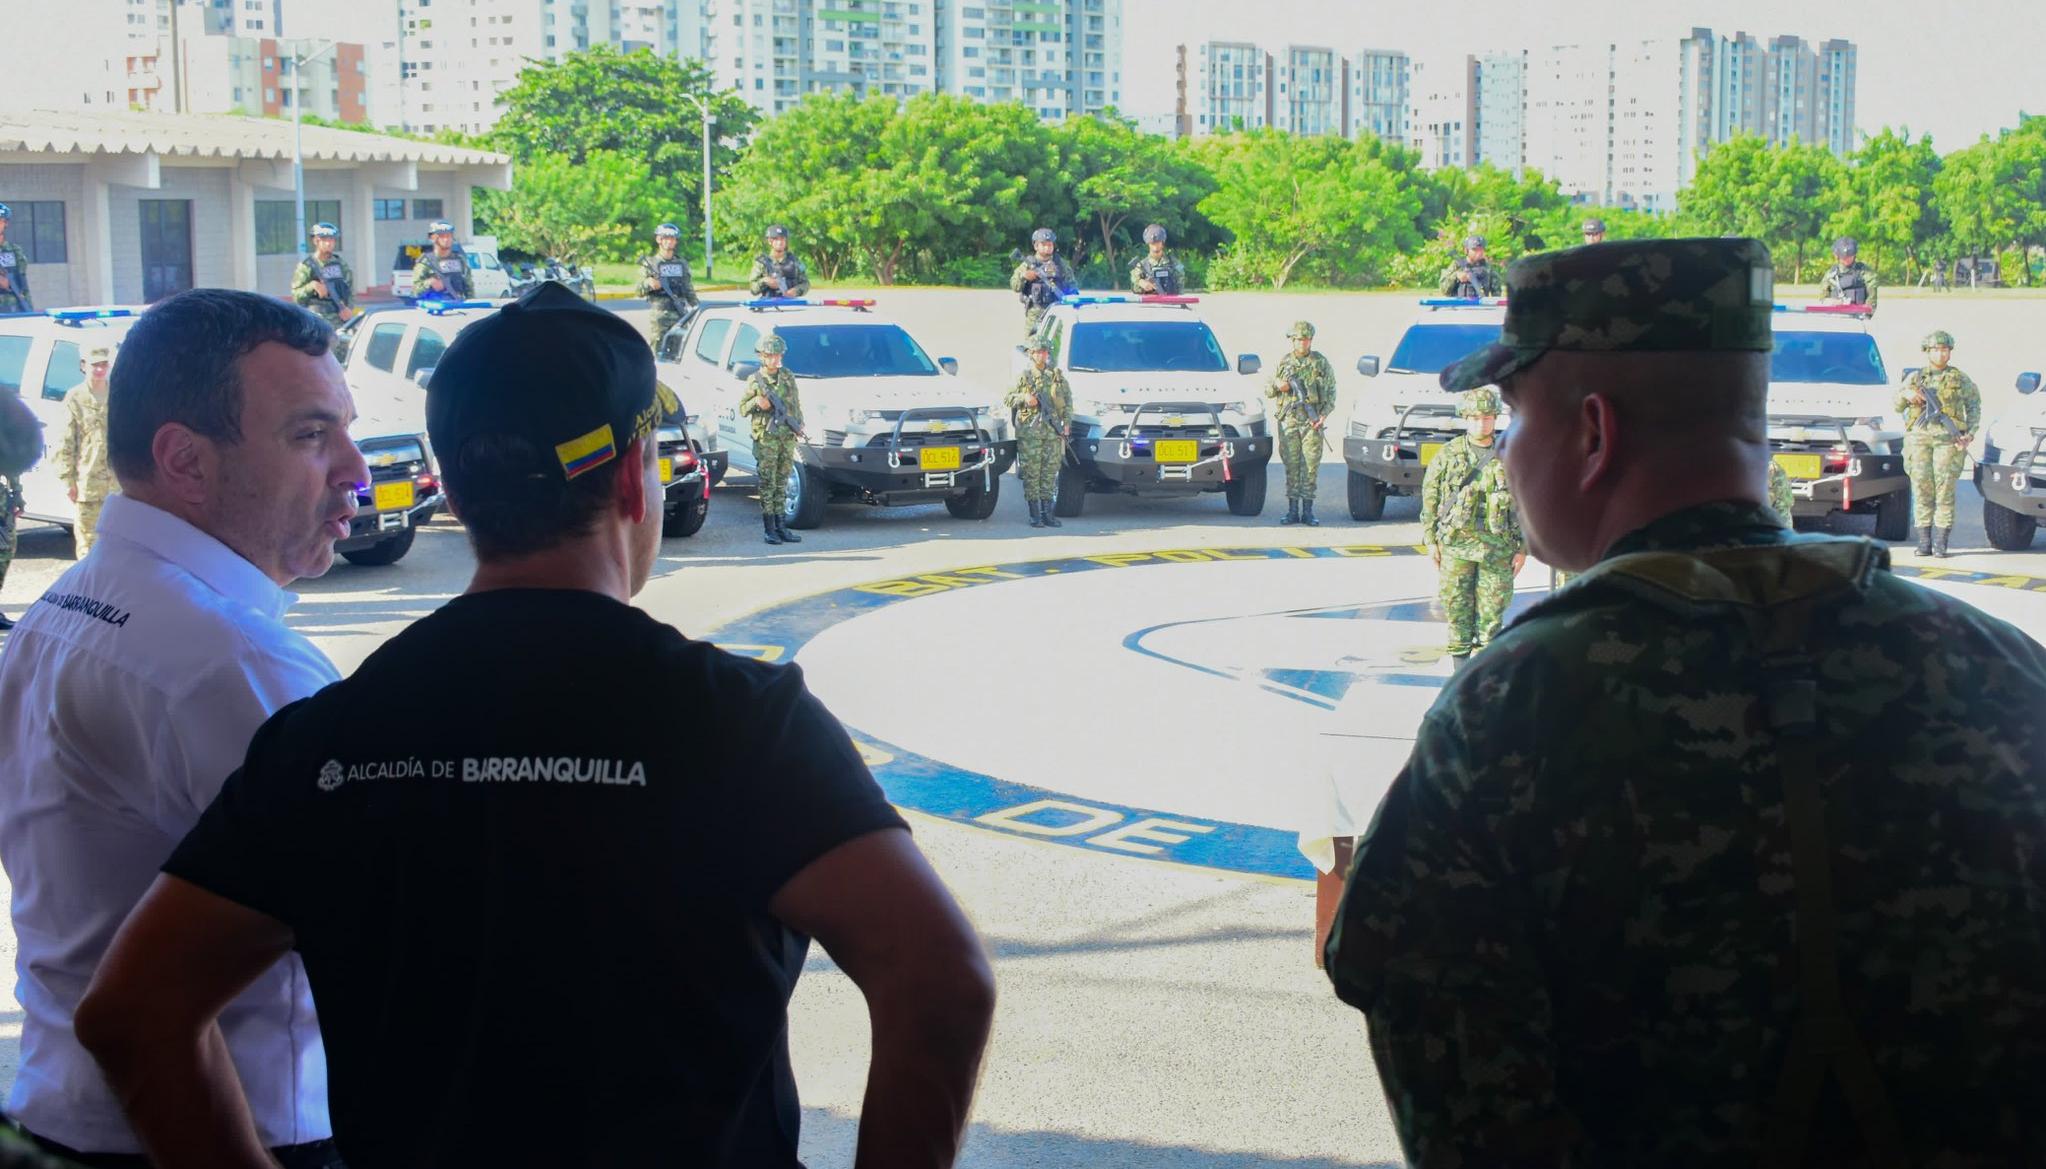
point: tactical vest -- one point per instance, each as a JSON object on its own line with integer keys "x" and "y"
{"x": 671, "y": 273}
{"x": 1162, "y": 276}
{"x": 1471, "y": 282}
{"x": 1470, "y": 509}
{"x": 454, "y": 274}
{"x": 1852, "y": 284}
{"x": 783, "y": 272}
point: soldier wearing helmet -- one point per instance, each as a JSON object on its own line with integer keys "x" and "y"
{"x": 1941, "y": 409}
{"x": 664, "y": 281}
{"x": 1039, "y": 280}
{"x": 1472, "y": 276}
{"x": 1848, "y": 281}
{"x": 775, "y": 411}
{"x": 323, "y": 283}
{"x": 442, "y": 271}
{"x": 1041, "y": 403}
{"x": 14, "y": 297}
{"x": 1594, "y": 231}
{"x": 776, "y": 272}
{"x": 1303, "y": 391}
{"x": 1157, "y": 272}
{"x": 1471, "y": 529}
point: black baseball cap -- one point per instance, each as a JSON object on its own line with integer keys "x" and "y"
{"x": 572, "y": 379}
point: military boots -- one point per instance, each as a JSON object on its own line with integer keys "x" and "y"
{"x": 1292, "y": 512}
{"x": 1307, "y": 514}
{"x": 772, "y": 531}
{"x": 1925, "y": 540}
{"x": 1051, "y": 518}
{"x": 1036, "y": 513}
{"x": 781, "y": 528}
{"x": 1939, "y": 541}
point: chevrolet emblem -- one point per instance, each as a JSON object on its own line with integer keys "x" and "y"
{"x": 935, "y": 426}
{"x": 384, "y": 459}
{"x": 1176, "y": 420}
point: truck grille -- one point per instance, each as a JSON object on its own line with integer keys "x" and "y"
{"x": 913, "y": 439}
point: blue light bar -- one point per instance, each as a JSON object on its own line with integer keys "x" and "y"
{"x": 807, "y": 302}
{"x": 1463, "y": 301}
{"x": 436, "y": 308}
{"x": 1076, "y": 300}
{"x": 1832, "y": 310}
{"x": 90, "y": 314}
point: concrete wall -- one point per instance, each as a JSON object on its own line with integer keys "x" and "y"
{"x": 206, "y": 188}
{"x": 52, "y": 285}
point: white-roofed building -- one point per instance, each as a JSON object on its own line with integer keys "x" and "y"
{"x": 127, "y": 208}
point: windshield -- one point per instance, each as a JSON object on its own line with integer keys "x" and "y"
{"x": 1132, "y": 346}
{"x": 853, "y": 350}
{"x": 1840, "y": 358}
{"x": 1432, "y": 348}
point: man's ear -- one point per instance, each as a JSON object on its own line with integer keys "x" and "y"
{"x": 628, "y": 487}
{"x": 186, "y": 462}
{"x": 1597, "y": 438}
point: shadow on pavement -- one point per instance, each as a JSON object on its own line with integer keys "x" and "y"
{"x": 829, "y": 1139}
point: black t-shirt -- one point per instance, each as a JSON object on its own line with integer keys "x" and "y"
{"x": 527, "y": 851}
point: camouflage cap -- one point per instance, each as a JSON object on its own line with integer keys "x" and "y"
{"x": 98, "y": 351}
{"x": 1473, "y": 241}
{"x": 771, "y": 343}
{"x": 1482, "y": 401}
{"x": 1938, "y": 337}
{"x": 1632, "y": 296}
{"x": 1300, "y": 329}
{"x": 1038, "y": 343}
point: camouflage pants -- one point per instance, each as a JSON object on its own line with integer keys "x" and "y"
{"x": 658, "y": 325}
{"x": 10, "y": 303}
{"x": 1300, "y": 447}
{"x": 1038, "y": 452}
{"x": 1031, "y": 315}
{"x": 326, "y": 310}
{"x": 1934, "y": 464}
{"x": 1474, "y": 597}
{"x": 774, "y": 455}
{"x": 86, "y": 533}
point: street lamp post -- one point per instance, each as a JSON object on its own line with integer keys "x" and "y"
{"x": 298, "y": 65}
{"x": 703, "y": 107}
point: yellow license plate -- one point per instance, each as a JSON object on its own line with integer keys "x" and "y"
{"x": 1801, "y": 466}
{"x": 1428, "y": 452}
{"x": 938, "y": 458}
{"x": 1177, "y": 450}
{"x": 392, "y": 496}
{"x": 667, "y": 469}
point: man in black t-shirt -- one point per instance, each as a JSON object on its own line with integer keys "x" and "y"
{"x": 542, "y": 924}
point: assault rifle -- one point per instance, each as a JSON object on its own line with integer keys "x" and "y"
{"x": 671, "y": 286}
{"x": 338, "y": 290}
{"x": 1933, "y": 411}
{"x": 1163, "y": 277}
{"x": 778, "y": 411}
{"x": 1300, "y": 395}
{"x": 1045, "y": 290}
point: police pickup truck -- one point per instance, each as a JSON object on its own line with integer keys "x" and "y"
{"x": 2010, "y": 470}
{"x": 1832, "y": 424}
{"x": 39, "y": 355}
{"x": 884, "y": 423}
{"x": 1156, "y": 410}
{"x": 1399, "y": 426}
{"x": 391, "y": 354}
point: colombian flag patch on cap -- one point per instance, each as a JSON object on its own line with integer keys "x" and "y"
{"x": 587, "y": 453}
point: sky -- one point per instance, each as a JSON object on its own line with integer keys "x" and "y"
{"x": 1955, "y": 69}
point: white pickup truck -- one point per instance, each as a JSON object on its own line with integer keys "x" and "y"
{"x": 2010, "y": 469}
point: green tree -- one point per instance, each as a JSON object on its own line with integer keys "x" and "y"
{"x": 1783, "y": 196}
{"x": 626, "y": 103}
{"x": 1887, "y": 205}
{"x": 576, "y": 211}
{"x": 1120, "y": 175}
{"x": 1729, "y": 195}
{"x": 1286, "y": 200}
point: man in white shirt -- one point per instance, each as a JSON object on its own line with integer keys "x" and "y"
{"x": 130, "y": 690}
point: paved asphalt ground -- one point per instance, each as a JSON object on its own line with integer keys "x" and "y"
{"x": 1150, "y": 1016}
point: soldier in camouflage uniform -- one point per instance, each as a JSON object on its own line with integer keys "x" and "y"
{"x": 323, "y": 282}
{"x": 1157, "y": 272}
{"x": 774, "y": 440}
{"x": 81, "y": 457}
{"x": 664, "y": 281}
{"x": 1781, "y": 498}
{"x": 1594, "y": 231}
{"x": 1472, "y": 534}
{"x": 1941, "y": 409}
{"x": 1041, "y": 279}
{"x": 1473, "y": 276}
{"x": 1720, "y": 856}
{"x": 442, "y": 271}
{"x": 1301, "y": 424}
{"x": 1042, "y": 406}
{"x": 775, "y": 271}
{"x": 1848, "y": 281}
{"x": 21, "y": 447}
{"x": 14, "y": 294}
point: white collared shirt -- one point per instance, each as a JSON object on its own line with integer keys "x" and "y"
{"x": 128, "y": 692}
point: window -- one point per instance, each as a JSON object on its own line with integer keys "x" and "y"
{"x": 390, "y": 209}
{"x": 710, "y": 343}
{"x": 426, "y": 209}
{"x": 13, "y": 356}
{"x": 744, "y": 346}
{"x": 383, "y": 345}
{"x": 426, "y": 351}
{"x": 277, "y": 223}
{"x": 39, "y": 229}
{"x": 62, "y": 373}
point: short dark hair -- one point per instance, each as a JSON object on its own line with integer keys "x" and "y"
{"x": 182, "y": 363}
{"x": 512, "y": 499}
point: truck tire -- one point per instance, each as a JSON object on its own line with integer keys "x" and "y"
{"x": 2009, "y": 531}
{"x": 1070, "y": 497}
{"x": 1893, "y": 516}
{"x": 976, "y": 502}
{"x": 1367, "y": 497}
{"x": 383, "y": 552}
{"x": 1246, "y": 492}
{"x": 686, "y": 518}
{"x": 807, "y": 497}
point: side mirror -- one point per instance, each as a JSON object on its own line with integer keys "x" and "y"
{"x": 421, "y": 376}
{"x": 745, "y": 370}
{"x": 1368, "y": 366}
{"x": 1247, "y": 364}
{"x": 2028, "y": 383}
{"x": 949, "y": 365}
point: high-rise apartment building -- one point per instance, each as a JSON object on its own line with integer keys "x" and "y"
{"x": 1234, "y": 87}
{"x": 1502, "y": 110}
{"x": 1306, "y": 89}
{"x": 1312, "y": 88}
{"x": 1444, "y": 126}
{"x": 1060, "y": 58}
{"x": 1837, "y": 68}
{"x": 1378, "y": 93}
{"x": 1784, "y": 91}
